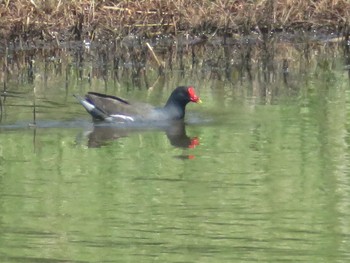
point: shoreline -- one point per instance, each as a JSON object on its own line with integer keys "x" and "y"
{"x": 59, "y": 20}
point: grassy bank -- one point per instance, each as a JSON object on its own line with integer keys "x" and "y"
{"x": 90, "y": 19}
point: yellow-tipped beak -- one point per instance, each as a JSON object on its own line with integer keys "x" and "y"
{"x": 199, "y": 101}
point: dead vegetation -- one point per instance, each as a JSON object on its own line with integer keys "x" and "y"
{"x": 90, "y": 19}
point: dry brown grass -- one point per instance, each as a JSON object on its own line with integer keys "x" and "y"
{"x": 79, "y": 19}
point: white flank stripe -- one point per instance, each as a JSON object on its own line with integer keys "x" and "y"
{"x": 124, "y": 117}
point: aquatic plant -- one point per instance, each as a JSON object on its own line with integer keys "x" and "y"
{"x": 80, "y": 19}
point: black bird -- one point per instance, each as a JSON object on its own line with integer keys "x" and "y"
{"x": 114, "y": 109}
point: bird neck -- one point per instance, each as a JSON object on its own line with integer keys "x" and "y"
{"x": 175, "y": 108}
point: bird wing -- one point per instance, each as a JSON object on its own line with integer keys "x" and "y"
{"x": 116, "y": 106}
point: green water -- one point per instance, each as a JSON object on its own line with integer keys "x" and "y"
{"x": 268, "y": 181}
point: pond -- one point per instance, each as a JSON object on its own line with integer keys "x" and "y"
{"x": 258, "y": 172}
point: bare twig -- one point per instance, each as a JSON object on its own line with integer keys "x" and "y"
{"x": 160, "y": 64}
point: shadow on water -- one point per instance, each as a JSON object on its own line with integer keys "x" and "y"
{"x": 101, "y": 135}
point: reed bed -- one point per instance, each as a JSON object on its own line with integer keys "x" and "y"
{"x": 91, "y": 19}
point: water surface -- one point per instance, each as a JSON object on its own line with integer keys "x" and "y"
{"x": 258, "y": 173}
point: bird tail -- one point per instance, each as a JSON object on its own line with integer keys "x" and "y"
{"x": 94, "y": 111}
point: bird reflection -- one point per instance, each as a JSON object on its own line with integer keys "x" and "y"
{"x": 102, "y": 135}
{"x": 177, "y": 136}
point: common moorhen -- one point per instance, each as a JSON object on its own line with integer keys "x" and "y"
{"x": 114, "y": 109}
